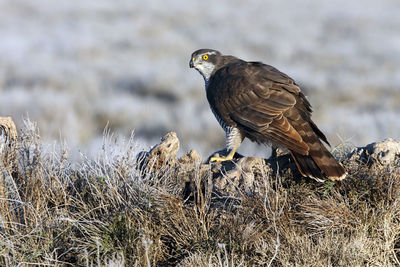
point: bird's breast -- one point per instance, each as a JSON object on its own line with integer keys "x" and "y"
{"x": 221, "y": 122}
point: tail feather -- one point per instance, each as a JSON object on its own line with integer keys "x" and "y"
{"x": 319, "y": 164}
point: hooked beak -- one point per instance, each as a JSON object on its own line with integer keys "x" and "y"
{"x": 191, "y": 64}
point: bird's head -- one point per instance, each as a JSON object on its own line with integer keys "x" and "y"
{"x": 205, "y": 61}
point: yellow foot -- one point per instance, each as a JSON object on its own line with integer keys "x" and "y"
{"x": 221, "y": 158}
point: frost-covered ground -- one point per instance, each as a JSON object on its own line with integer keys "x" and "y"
{"x": 74, "y": 66}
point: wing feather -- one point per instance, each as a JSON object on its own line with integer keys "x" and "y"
{"x": 261, "y": 101}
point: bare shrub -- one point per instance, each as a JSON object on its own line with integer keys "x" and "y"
{"x": 115, "y": 211}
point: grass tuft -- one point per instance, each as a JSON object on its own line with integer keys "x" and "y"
{"x": 117, "y": 211}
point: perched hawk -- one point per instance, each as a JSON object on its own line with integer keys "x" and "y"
{"x": 257, "y": 101}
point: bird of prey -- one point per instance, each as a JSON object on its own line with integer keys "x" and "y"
{"x": 257, "y": 101}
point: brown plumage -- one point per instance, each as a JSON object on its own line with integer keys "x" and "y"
{"x": 257, "y": 101}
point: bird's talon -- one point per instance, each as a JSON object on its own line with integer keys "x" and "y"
{"x": 216, "y": 159}
{"x": 220, "y": 159}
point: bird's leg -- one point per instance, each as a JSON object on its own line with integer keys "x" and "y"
{"x": 228, "y": 157}
{"x": 274, "y": 152}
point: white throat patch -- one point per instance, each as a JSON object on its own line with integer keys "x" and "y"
{"x": 205, "y": 69}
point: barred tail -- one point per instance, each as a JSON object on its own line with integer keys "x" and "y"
{"x": 319, "y": 164}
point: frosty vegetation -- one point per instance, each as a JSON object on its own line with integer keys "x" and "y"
{"x": 133, "y": 208}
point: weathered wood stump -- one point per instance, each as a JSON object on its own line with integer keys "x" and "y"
{"x": 237, "y": 177}
{"x": 8, "y": 136}
{"x": 378, "y": 154}
{"x": 8, "y": 166}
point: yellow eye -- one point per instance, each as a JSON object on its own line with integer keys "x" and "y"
{"x": 205, "y": 57}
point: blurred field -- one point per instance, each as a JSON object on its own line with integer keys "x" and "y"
{"x": 74, "y": 66}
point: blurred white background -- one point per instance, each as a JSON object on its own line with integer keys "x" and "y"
{"x": 74, "y": 66}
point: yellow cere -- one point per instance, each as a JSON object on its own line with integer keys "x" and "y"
{"x": 205, "y": 57}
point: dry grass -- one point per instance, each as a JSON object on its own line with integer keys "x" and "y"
{"x": 113, "y": 212}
